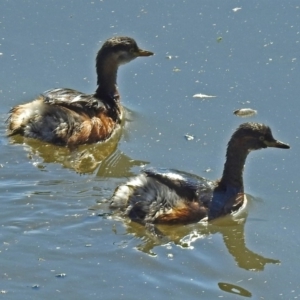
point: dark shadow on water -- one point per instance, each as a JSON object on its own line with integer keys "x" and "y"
{"x": 231, "y": 229}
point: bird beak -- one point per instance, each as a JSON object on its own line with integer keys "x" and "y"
{"x": 142, "y": 52}
{"x": 276, "y": 144}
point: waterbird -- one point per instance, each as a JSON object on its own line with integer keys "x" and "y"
{"x": 67, "y": 117}
{"x": 162, "y": 196}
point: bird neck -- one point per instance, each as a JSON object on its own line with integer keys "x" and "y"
{"x": 226, "y": 194}
{"x": 107, "y": 68}
{"x": 107, "y": 91}
{"x": 236, "y": 156}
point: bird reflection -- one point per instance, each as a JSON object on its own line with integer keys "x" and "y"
{"x": 83, "y": 159}
{"x": 231, "y": 228}
{"x": 103, "y": 159}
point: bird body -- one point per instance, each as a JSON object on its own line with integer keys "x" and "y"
{"x": 164, "y": 196}
{"x": 64, "y": 117}
{"x": 172, "y": 197}
{"x": 67, "y": 117}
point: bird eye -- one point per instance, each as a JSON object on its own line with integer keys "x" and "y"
{"x": 262, "y": 138}
{"x": 131, "y": 50}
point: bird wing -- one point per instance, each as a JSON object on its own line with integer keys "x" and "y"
{"x": 72, "y": 99}
{"x": 186, "y": 185}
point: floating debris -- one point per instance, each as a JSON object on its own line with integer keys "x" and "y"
{"x": 171, "y": 56}
{"x": 189, "y": 137}
{"x": 219, "y": 39}
{"x": 208, "y": 170}
{"x": 202, "y": 96}
{"x": 245, "y": 112}
{"x": 176, "y": 70}
{"x": 61, "y": 275}
{"x": 236, "y": 9}
{"x": 234, "y": 289}
{"x": 35, "y": 286}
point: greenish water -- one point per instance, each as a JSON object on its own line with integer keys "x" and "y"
{"x": 57, "y": 241}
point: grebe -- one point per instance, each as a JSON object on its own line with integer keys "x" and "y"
{"x": 172, "y": 197}
{"x": 68, "y": 117}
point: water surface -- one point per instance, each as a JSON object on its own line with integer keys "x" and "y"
{"x": 54, "y": 245}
